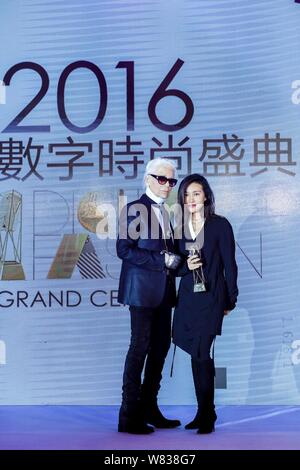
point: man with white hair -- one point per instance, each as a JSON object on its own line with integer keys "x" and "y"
{"x": 147, "y": 284}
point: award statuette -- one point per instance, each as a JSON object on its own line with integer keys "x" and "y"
{"x": 198, "y": 275}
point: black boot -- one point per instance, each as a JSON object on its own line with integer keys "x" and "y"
{"x": 203, "y": 375}
{"x": 159, "y": 344}
{"x": 154, "y": 416}
{"x": 207, "y": 386}
{"x": 195, "y": 423}
{"x": 150, "y": 410}
{"x": 131, "y": 420}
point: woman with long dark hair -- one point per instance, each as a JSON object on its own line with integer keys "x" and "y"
{"x": 208, "y": 288}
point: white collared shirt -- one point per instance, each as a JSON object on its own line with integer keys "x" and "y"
{"x": 159, "y": 201}
{"x": 191, "y": 228}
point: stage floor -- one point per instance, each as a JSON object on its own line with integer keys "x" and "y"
{"x": 94, "y": 427}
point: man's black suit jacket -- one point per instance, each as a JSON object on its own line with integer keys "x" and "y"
{"x": 143, "y": 275}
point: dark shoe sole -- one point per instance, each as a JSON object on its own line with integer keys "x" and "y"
{"x": 196, "y": 423}
{"x": 137, "y": 430}
{"x": 206, "y": 430}
{"x": 192, "y": 425}
{"x": 168, "y": 424}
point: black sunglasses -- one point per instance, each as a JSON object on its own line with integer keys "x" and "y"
{"x": 164, "y": 179}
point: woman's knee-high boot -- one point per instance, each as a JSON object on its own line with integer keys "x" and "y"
{"x": 203, "y": 376}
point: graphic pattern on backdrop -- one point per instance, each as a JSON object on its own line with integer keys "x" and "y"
{"x": 89, "y": 94}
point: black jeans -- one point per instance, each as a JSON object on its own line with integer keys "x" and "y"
{"x": 149, "y": 345}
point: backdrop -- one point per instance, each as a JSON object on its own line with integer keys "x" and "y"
{"x": 89, "y": 92}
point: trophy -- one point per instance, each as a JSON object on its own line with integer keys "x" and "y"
{"x": 198, "y": 275}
